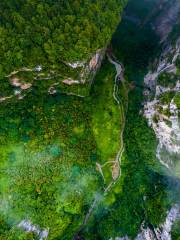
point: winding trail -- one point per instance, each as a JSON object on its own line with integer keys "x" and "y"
{"x": 116, "y": 164}
{"x": 117, "y": 78}
{"x": 116, "y": 167}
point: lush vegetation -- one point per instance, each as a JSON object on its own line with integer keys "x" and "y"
{"x": 49, "y": 151}
{"x": 49, "y": 32}
{"x": 176, "y": 231}
{"x": 178, "y": 62}
{"x": 107, "y": 121}
{"x": 177, "y": 100}
{"x": 49, "y": 147}
{"x": 47, "y": 164}
{"x": 50, "y": 144}
{"x": 142, "y": 193}
{"x": 167, "y": 79}
{"x": 166, "y": 97}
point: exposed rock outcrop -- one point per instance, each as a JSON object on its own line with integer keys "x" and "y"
{"x": 16, "y": 82}
{"x": 161, "y": 109}
{"x": 163, "y": 232}
{"x": 168, "y": 17}
{"x": 27, "y": 226}
{"x": 70, "y": 81}
{"x": 86, "y": 71}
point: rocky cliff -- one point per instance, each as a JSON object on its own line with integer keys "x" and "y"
{"x": 162, "y": 232}
{"x": 162, "y": 107}
{"x": 22, "y": 80}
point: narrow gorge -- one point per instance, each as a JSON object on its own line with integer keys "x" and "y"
{"x": 90, "y": 120}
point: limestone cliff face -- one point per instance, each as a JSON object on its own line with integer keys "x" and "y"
{"x": 162, "y": 232}
{"x": 162, "y": 108}
{"x": 161, "y": 15}
{"x": 88, "y": 68}
{"x": 163, "y": 23}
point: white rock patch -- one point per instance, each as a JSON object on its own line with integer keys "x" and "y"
{"x": 166, "y": 128}
{"x": 27, "y": 226}
{"x": 163, "y": 232}
{"x": 76, "y": 64}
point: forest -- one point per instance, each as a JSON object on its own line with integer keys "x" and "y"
{"x": 50, "y": 32}
{"x": 57, "y": 150}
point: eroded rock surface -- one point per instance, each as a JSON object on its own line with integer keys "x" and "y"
{"x": 163, "y": 232}
{"x": 165, "y": 21}
{"x": 161, "y": 108}
{"x": 27, "y": 226}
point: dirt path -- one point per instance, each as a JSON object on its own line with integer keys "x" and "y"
{"x": 116, "y": 168}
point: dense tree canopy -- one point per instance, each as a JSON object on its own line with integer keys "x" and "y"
{"x": 35, "y": 31}
{"x": 50, "y": 144}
